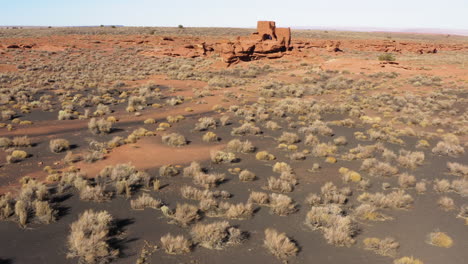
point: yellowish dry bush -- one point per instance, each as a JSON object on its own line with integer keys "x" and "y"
{"x": 216, "y": 235}
{"x": 439, "y": 239}
{"x": 279, "y": 244}
{"x": 175, "y": 245}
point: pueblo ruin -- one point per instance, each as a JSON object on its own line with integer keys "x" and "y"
{"x": 268, "y": 42}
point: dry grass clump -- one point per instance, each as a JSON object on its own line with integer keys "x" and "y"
{"x": 279, "y": 244}
{"x": 449, "y": 146}
{"x": 246, "y": 129}
{"x": 407, "y": 260}
{"x": 205, "y": 123}
{"x": 281, "y": 204}
{"x": 311, "y": 140}
{"x": 192, "y": 170}
{"x": 272, "y": 125}
{"x": 330, "y": 194}
{"x": 340, "y": 141}
{"x": 281, "y": 167}
{"x": 420, "y": 187}
{"x": 288, "y": 138}
{"x": 442, "y": 186}
{"x": 94, "y": 193}
{"x": 218, "y": 156}
{"x": 317, "y": 128}
{"x": 395, "y": 200}
{"x": 279, "y": 185}
{"x": 145, "y": 201}
{"x": 460, "y": 186}
{"x": 184, "y": 214}
{"x": 5, "y": 142}
{"x": 59, "y": 145}
{"x": 246, "y": 175}
{"x": 238, "y": 146}
{"x": 174, "y": 140}
{"x": 264, "y": 155}
{"x": 101, "y": 126}
{"x": 378, "y": 168}
{"x": 260, "y": 198}
{"x": 457, "y": 169}
{"x": 208, "y": 180}
{"x": 189, "y": 192}
{"x": 210, "y": 137}
{"x": 239, "y": 211}
{"x": 370, "y": 212}
{"x": 324, "y": 149}
{"x": 175, "y": 245}
{"x": 89, "y": 239}
{"x": 337, "y": 228}
{"x": 446, "y": 203}
{"x": 410, "y": 159}
{"x": 406, "y": 180}
{"x": 16, "y": 156}
{"x": 350, "y": 175}
{"x": 44, "y": 212}
{"x": 23, "y": 141}
{"x": 216, "y": 235}
{"x": 6, "y": 206}
{"x": 385, "y": 247}
{"x": 439, "y": 239}
{"x": 168, "y": 171}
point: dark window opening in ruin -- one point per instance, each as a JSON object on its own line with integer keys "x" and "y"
{"x": 266, "y": 36}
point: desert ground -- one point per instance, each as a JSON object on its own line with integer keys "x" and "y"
{"x": 130, "y": 145}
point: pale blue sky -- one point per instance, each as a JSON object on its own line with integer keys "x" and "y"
{"x": 238, "y": 13}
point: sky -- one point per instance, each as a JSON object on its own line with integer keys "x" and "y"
{"x": 447, "y": 14}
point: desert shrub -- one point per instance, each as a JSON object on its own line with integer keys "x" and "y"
{"x": 279, "y": 244}
{"x": 175, "y": 244}
{"x": 246, "y": 175}
{"x": 281, "y": 167}
{"x": 6, "y": 206}
{"x": 5, "y": 142}
{"x": 442, "y": 186}
{"x": 238, "y": 211}
{"x": 288, "y": 138}
{"x": 281, "y": 204}
{"x": 90, "y": 238}
{"x": 446, "y": 203}
{"x": 311, "y": 140}
{"x": 421, "y": 187}
{"x": 439, "y": 239}
{"x": 174, "y": 140}
{"x": 16, "y": 156}
{"x": 59, "y": 145}
{"x": 101, "y": 126}
{"x": 264, "y": 155}
{"x": 449, "y": 146}
{"x": 410, "y": 159}
{"x": 93, "y": 156}
{"x": 22, "y": 212}
{"x": 208, "y": 180}
{"x": 350, "y": 175}
{"x": 246, "y": 129}
{"x": 193, "y": 193}
{"x": 272, "y": 125}
{"x": 301, "y": 156}
{"x": 378, "y": 168}
{"x": 457, "y": 169}
{"x": 168, "y": 171}
{"x": 205, "y": 123}
{"x": 385, "y": 247}
{"x": 192, "y": 170}
{"x": 387, "y": 57}
{"x": 210, "y": 137}
{"x": 324, "y": 149}
{"x": 397, "y": 199}
{"x": 340, "y": 141}
{"x": 406, "y": 180}
{"x": 370, "y": 212}
{"x": 184, "y": 215}
{"x": 279, "y": 185}
{"x": 44, "y": 212}
{"x": 258, "y": 198}
{"x": 330, "y": 194}
{"x": 145, "y": 201}
{"x": 337, "y": 229}
{"x": 238, "y": 146}
{"x": 222, "y": 157}
{"x": 94, "y": 193}
{"x": 21, "y": 141}
{"x": 216, "y": 235}
{"x": 460, "y": 186}
{"x": 407, "y": 260}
